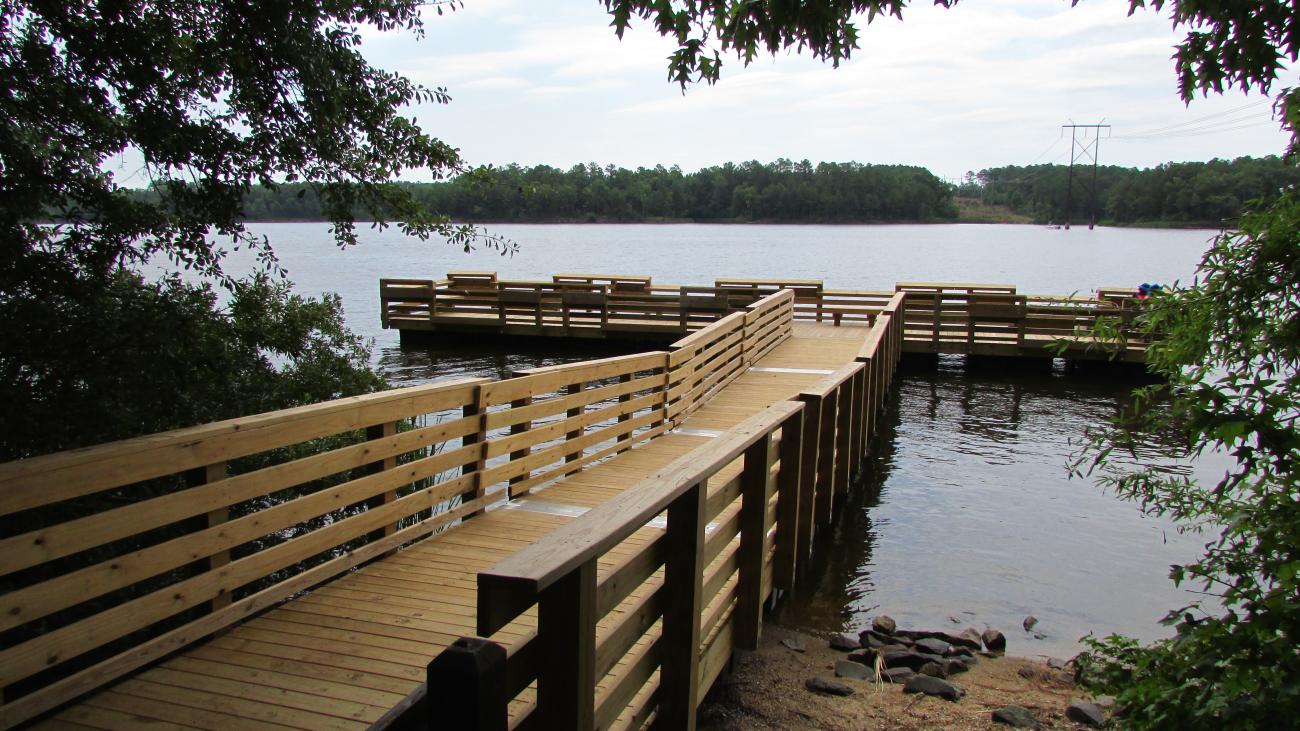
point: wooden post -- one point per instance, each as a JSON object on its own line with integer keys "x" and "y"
{"x": 479, "y": 437}
{"x": 382, "y": 431}
{"x": 826, "y": 440}
{"x": 202, "y": 476}
{"x": 812, "y": 407}
{"x": 626, "y": 377}
{"x": 789, "y": 484}
{"x": 679, "y": 670}
{"x": 858, "y": 424}
{"x": 755, "y": 491}
{"x": 520, "y": 428}
{"x": 934, "y": 336}
{"x": 574, "y": 389}
{"x": 566, "y": 629}
{"x": 844, "y": 436}
{"x": 871, "y": 374}
{"x": 466, "y": 687}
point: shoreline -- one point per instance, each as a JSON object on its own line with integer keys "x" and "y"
{"x": 1144, "y": 226}
{"x": 765, "y": 689}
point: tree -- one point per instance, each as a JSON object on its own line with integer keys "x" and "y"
{"x": 207, "y": 99}
{"x": 1229, "y": 350}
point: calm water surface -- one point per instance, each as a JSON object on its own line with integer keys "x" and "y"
{"x": 968, "y": 511}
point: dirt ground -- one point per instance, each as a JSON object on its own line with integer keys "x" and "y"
{"x": 765, "y": 690}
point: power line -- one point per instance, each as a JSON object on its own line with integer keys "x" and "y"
{"x": 1227, "y": 126}
{"x": 1213, "y": 119}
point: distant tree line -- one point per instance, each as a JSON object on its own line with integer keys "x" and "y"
{"x": 1173, "y": 194}
{"x": 1185, "y": 193}
{"x": 781, "y": 191}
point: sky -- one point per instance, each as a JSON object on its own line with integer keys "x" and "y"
{"x": 984, "y": 84}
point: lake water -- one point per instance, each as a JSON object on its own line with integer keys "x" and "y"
{"x": 968, "y": 511}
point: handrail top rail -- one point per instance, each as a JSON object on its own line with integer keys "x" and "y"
{"x": 531, "y": 570}
{"x": 17, "y": 476}
{"x": 833, "y": 380}
{"x": 746, "y": 281}
{"x": 958, "y": 285}
{"x": 584, "y": 276}
{"x": 645, "y": 356}
{"x": 724, "y": 324}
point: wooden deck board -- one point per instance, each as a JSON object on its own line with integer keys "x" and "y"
{"x": 341, "y": 655}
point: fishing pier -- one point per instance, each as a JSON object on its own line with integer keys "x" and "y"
{"x": 579, "y": 546}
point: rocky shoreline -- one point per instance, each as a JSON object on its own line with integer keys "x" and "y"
{"x": 886, "y": 677}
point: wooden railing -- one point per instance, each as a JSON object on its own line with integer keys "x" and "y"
{"x": 964, "y": 317}
{"x": 634, "y": 622}
{"x": 118, "y": 555}
{"x": 940, "y": 317}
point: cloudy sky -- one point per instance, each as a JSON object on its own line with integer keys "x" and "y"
{"x": 987, "y": 83}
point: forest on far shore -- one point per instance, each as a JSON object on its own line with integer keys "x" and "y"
{"x": 1174, "y": 194}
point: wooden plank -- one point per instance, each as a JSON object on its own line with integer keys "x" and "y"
{"x": 605, "y": 526}
{"x": 566, "y": 682}
{"x": 52, "y": 478}
{"x": 57, "y": 692}
{"x": 542, "y": 381}
{"x": 788, "y": 486}
{"x": 756, "y": 487}
{"x": 680, "y": 640}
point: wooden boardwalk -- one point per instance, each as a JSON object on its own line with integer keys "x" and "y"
{"x": 940, "y": 317}
{"x": 352, "y": 653}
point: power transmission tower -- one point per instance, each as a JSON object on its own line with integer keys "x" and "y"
{"x": 1086, "y": 150}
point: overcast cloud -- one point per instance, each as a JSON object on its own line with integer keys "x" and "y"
{"x": 987, "y": 83}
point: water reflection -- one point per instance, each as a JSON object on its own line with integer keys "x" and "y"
{"x": 415, "y": 364}
{"x": 968, "y": 514}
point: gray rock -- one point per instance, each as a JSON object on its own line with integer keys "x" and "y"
{"x": 1088, "y": 714}
{"x": 972, "y": 637}
{"x": 872, "y": 638}
{"x": 1016, "y": 716}
{"x": 795, "y": 644}
{"x": 1105, "y": 702}
{"x": 994, "y": 641}
{"x": 934, "y": 670}
{"x": 855, "y": 670}
{"x": 933, "y": 686}
{"x": 950, "y": 638}
{"x": 933, "y": 645}
{"x": 1029, "y": 622}
{"x": 1057, "y": 663}
{"x": 954, "y": 620}
{"x": 957, "y": 664}
{"x": 845, "y": 642}
{"x": 884, "y": 624}
{"x": 827, "y": 686}
{"x": 864, "y": 657}
{"x": 910, "y": 659}
{"x": 896, "y": 675}
{"x": 1040, "y": 636}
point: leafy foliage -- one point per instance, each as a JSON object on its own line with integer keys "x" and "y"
{"x": 705, "y": 29}
{"x": 207, "y": 100}
{"x": 1230, "y": 349}
{"x": 136, "y": 357}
